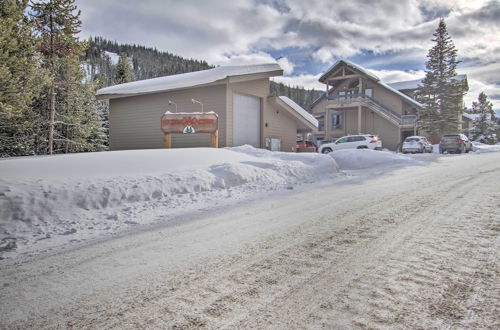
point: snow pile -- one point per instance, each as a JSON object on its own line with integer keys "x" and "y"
{"x": 82, "y": 195}
{"x": 481, "y": 147}
{"x": 357, "y": 159}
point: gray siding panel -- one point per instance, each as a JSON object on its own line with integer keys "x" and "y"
{"x": 135, "y": 121}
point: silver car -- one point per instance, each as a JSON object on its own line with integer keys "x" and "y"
{"x": 413, "y": 144}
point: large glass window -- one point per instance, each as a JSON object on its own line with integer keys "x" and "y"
{"x": 336, "y": 120}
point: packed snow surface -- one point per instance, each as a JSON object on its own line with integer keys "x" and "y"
{"x": 356, "y": 159}
{"x": 50, "y": 200}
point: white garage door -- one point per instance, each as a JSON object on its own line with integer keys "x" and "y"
{"x": 246, "y": 120}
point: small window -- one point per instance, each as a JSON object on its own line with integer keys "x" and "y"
{"x": 321, "y": 123}
{"x": 369, "y": 92}
{"x": 336, "y": 121}
{"x": 341, "y": 140}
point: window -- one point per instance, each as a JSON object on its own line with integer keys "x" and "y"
{"x": 321, "y": 123}
{"x": 341, "y": 140}
{"x": 355, "y": 138}
{"x": 369, "y": 92}
{"x": 336, "y": 120}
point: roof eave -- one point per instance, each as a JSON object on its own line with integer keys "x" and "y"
{"x": 306, "y": 125}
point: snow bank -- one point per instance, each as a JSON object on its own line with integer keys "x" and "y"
{"x": 482, "y": 148}
{"x": 356, "y": 159}
{"x": 83, "y": 195}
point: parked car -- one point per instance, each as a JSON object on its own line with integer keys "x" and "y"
{"x": 416, "y": 144}
{"x": 362, "y": 141}
{"x": 307, "y": 144}
{"x": 458, "y": 143}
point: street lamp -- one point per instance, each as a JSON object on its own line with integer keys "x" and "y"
{"x": 196, "y": 101}
{"x": 172, "y": 102}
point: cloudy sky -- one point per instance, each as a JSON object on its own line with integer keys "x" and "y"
{"x": 389, "y": 37}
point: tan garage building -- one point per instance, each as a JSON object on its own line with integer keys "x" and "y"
{"x": 238, "y": 94}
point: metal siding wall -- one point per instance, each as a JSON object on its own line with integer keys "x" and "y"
{"x": 280, "y": 126}
{"x": 387, "y": 131}
{"x": 135, "y": 121}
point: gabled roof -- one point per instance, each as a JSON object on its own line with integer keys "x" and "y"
{"x": 371, "y": 76}
{"x": 349, "y": 64}
{"x": 305, "y": 119}
{"x": 301, "y": 111}
{"x": 413, "y": 84}
{"x": 186, "y": 80}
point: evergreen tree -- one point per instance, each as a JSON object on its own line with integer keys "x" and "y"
{"x": 68, "y": 105}
{"x": 440, "y": 94}
{"x": 123, "y": 72}
{"x": 21, "y": 79}
{"x": 484, "y": 124}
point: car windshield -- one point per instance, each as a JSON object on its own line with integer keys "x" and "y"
{"x": 412, "y": 139}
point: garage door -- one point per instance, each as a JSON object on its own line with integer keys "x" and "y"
{"x": 246, "y": 120}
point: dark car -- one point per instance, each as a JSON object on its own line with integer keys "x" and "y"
{"x": 456, "y": 143}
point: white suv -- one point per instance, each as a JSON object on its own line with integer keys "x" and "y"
{"x": 362, "y": 141}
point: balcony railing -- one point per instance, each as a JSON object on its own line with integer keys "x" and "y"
{"x": 403, "y": 120}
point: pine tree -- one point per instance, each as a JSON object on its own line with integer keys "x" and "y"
{"x": 68, "y": 105}
{"x": 123, "y": 72}
{"x": 440, "y": 94}
{"x": 484, "y": 124}
{"x": 21, "y": 79}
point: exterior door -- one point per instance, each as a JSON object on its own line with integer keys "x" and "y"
{"x": 246, "y": 120}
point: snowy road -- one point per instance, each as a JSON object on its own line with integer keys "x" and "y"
{"x": 397, "y": 250}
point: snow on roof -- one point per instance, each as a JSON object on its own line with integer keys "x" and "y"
{"x": 413, "y": 84}
{"x": 352, "y": 65}
{"x": 404, "y": 96}
{"x": 404, "y": 85}
{"x": 372, "y": 76}
{"x": 301, "y": 111}
{"x": 185, "y": 80}
{"x": 475, "y": 116}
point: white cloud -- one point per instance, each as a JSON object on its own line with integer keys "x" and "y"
{"x": 244, "y": 31}
{"x": 389, "y": 76}
{"x": 286, "y": 65}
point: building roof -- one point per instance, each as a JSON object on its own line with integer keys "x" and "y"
{"x": 471, "y": 116}
{"x": 321, "y": 97}
{"x": 370, "y": 75}
{"x": 413, "y": 84}
{"x": 306, "y": 122}
{"x": 301, "y": 111}
{"x": 186, "y": 80}
{"x": 350, "y": 64}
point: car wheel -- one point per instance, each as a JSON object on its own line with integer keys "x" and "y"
{"x": 326, "y": 150}
{"x": 362, "y": 147}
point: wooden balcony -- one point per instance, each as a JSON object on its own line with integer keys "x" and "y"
{"x": 355, "y": 100}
